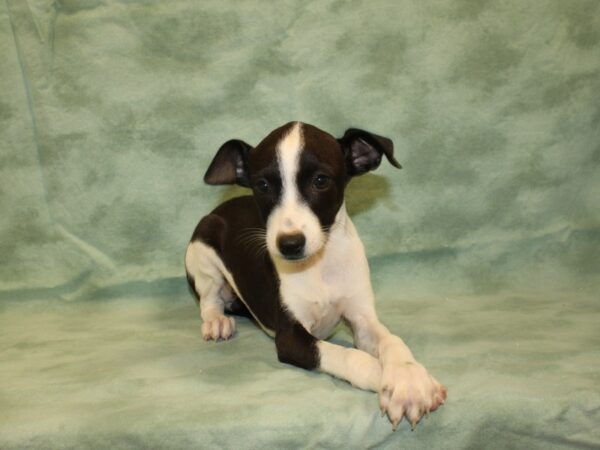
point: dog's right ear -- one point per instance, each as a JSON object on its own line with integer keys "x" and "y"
{"x": 230, "y": 164}
{"x": 363, "y": 151}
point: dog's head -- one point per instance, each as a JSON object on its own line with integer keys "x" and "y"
{"x": 298, "y": 174}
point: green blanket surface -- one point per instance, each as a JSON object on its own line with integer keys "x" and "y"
{"x": 484, "y": 249}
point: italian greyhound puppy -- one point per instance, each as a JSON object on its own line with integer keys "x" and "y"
{"x": 289, "y": 257}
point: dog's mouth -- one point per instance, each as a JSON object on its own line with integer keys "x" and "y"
{"x": 290, "y": 257}
{"x": 294, "y": 258}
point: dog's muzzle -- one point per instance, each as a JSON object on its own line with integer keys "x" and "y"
{"x": 291, "y": 246}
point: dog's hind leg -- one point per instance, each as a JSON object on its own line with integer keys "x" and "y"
{"x": 205, "y": 274}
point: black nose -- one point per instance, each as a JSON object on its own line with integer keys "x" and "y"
{"x": 291, "y": 246}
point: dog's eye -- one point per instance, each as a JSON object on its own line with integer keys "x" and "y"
{"x": 262, "y": 186}
{"x": 321, "y": 181}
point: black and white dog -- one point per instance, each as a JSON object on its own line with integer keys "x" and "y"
{"x": 290, "y": 257}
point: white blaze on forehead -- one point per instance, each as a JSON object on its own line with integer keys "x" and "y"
{"x": 288, "y": 155}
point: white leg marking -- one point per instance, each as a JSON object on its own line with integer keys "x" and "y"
{"x": 211, "y": 287}
{"x": 355, "y": 366}
{"x": 406, "y": 388}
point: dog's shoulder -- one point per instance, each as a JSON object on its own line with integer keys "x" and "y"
{"x": 235, "y": 206}
{"x": 227, "y": 219}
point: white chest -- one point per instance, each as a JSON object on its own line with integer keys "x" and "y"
{"x": 317, "y": 293}
{"x": 313, "y": 302}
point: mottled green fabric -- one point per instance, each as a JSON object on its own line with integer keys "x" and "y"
{"x": 484, "y": 249}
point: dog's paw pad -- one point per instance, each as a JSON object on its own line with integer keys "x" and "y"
{"x": 221, "y": 327}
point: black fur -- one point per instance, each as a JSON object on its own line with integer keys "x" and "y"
{"x": 322, "y": 156}
{"x": 295, "y": 345}
{"x": 363, "y": 151}
{"x": 230, "y": 165}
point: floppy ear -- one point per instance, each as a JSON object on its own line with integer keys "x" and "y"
{"x": 230, "y": 164}
{"x": 363, "y": 151}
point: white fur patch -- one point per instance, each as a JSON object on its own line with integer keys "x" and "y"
{"x": 357, "y": 367}
{"x": 317, "y": 290}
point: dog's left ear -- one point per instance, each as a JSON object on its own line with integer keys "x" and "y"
{"x": 363, "y": 151}
{"x": 230, "y": 164}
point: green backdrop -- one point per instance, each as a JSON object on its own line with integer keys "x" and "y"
{"x": 484, "y": 249}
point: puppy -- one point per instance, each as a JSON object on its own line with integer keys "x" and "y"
{"x": 289, "y": 257}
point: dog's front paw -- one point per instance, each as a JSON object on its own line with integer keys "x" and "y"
{"x": 407, "y": 389}
{"x": 221, "y": 327}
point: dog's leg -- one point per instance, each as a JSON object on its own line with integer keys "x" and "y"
{"x": 355, "y": 366}
{"x": 204, "y": 270}
{"x": 297, "y": 346}
{"x": 406, "y": 387}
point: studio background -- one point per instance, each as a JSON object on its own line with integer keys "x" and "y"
{"x": 484, "y": 248}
